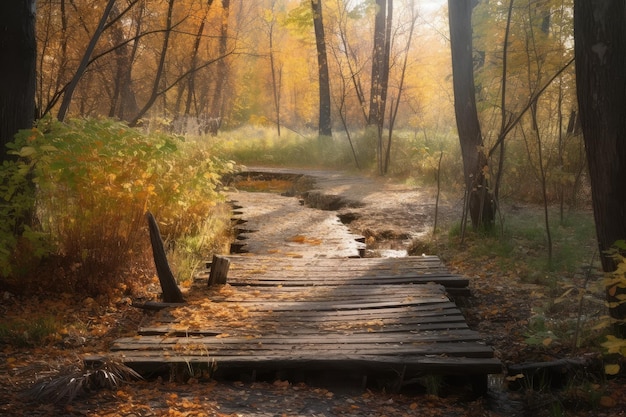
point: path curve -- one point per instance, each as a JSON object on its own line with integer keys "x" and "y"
{"x": 387, "y": 214}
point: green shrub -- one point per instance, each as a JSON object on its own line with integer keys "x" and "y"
{"x": 94, "y": 180}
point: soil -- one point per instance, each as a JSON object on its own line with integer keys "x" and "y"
{"x": 390, "y": 216}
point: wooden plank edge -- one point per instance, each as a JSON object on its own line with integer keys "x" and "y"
{"x": 439, "y": 365}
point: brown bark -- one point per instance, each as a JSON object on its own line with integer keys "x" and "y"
{"x": 124, "y": 103}
{"x": 191, "y": 82}
{"x": 480, "y": 203}
{"x": 325, "y": 128}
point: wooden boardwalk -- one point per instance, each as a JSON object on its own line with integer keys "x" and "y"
{"x": 383, "y": 317}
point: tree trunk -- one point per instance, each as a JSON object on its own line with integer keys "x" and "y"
{"x": 276, "y": 75}
{"x": 69, "y": 92}
{"x": 481, "y": 204}
{"x": 377, "y": 63}
{"x": 600, "y": 52}
{"x": 325, "y": 127}
{"x": 18, "y": 49}
{"x": 221, "y": 74}
{"x": 124, "y": 103}
{"x": 191, "y": 82}
{"x": 395, "y": 106}
{"x": 160, "y": 68}
{"x": 353, "y": 66}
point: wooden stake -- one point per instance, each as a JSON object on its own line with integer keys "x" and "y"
{"x": 219, "y": 270}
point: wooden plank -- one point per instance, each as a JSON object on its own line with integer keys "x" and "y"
{"x": 322, "y": 306}
{"x": 310, "y": 281}
{"x": 423, "y": 365}
{"x": 348, "y": 338}
{"x": 305, "y": 317}
{"x": 273, "y": 271}
{"x": 290, "y": 352}
{"x": 353, "y": 318}
{"x": 303, "y": 327}
{"x": 353, "y": 264}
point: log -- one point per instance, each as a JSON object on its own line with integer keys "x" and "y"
{"x": 554, "y": 374}
{"x": 219, "y": 270}
{"x": 171, "y": 292}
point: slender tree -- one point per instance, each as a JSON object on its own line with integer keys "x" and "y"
{"x": 600, "y": 51}
{"x": 380, "y": 74}
{"x": 18, "y": 49}
{"x": 221, "y": 73}
{"x": 191, "y": 82}
{"x": 325, "y": 127}
{"x": 275, "y": 67}
{"x": 480, "y": 202}
{"x": 156, "y": 86}
{"x": 395, "y": 105}
{"x": 376, "y": 109}
{"x": 67, "y": 97}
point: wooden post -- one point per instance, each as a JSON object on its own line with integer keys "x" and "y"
{"x": 171, "y": 292}
{"x": 219, "y": 270}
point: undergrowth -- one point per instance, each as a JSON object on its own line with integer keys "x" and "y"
{"x": 76, "y": 194}
{"x": 31, "y": 331}
{"x": 568, "y": 300}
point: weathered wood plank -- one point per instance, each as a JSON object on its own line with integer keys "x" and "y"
{"x": 275, "y": 271}
{"x": 364, "y": 363}
{"x": 290, "y": 352}
{"x": 303, "y": 327}
{"x": 441, "y": 336}
{"x": 316, "y": 312}
{"x": 340, "y": 318}
{"x": 442, "y": 309}
{"x": 447, "y": 281}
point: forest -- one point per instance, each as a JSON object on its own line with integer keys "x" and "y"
{"x": 112, "y": 109}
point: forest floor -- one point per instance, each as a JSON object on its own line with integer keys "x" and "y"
{"x": 390, "y": 216}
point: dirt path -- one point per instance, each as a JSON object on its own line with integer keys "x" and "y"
{"x": 388, "y": 214}
{"x": 282, "y": 226}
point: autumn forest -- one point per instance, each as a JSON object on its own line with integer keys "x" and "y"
{"x": 508, "y": 114}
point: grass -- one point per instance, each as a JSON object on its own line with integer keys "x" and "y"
{"x": 414, "y": 156}
{"x": 25, "y": 333}
{"x": 191, "y": 250}
{"x": 515, "y": 252}
{"x": 521, "y": 240}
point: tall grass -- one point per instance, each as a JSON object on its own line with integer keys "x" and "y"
{"x": 414, "y": 154}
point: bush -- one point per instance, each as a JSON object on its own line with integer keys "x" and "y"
{"x": 94, "y": 180}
